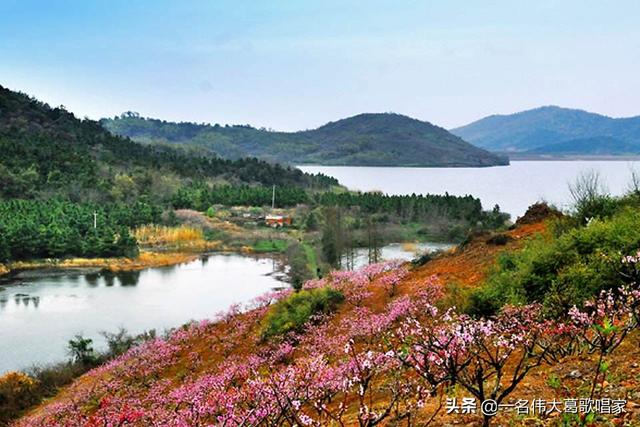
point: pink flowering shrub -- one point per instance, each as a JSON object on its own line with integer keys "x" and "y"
{"x": 604, "y": 323}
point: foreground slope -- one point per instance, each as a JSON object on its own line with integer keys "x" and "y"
{"x": 343, "y": 368}
{"x": 362, "y": 140}
{"x": 555, "y": 130}
{"x": 183, "y": 380}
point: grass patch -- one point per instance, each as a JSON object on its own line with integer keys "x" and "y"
{"x": 270, "y": 245}
{"x": 160, "y": 235}
{"x": 293, "y": 312}
{"x": 312, "y": 260}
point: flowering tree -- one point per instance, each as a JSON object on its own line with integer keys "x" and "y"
{"x": 604, "y": 323}
{"x": 474, "y": 353}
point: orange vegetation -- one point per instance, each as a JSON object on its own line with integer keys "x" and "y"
{"x": 144, "y": 260}
{"x": 469, "y": 265}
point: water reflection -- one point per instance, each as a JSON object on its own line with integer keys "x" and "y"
{"x": 21, "y": 299}
{"x": 167, "y": 270}
{"x": 392, "y": 251}
{"x": 40, "y": 311}
{"x": 128, "y": 278}
{"x": 108, "y": 278}
{"x": 92, "y": 278}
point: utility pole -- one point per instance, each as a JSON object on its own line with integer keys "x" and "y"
{"x": 95, "y": 219}
{"x": 273, "y": 198}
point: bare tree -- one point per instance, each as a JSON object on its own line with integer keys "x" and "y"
{"x": 634, "y": 184}
{"x": 587, "y": 187}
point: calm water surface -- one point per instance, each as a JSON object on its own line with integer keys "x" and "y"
{"x": 41, "y": 313}
{"x": 405, "y": 252}
{"x": 41, "y": 310}
{"x": 513, "y": 187}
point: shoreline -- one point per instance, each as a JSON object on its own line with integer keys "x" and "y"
{"x": 146, "y": 259}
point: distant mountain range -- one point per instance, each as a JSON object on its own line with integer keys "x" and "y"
{"x": 364, "y": 140}
{"x": 555, "y": 131}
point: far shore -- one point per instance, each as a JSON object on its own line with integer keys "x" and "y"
{"x": 569, "y": 157}
{"x": 146, "y": 259}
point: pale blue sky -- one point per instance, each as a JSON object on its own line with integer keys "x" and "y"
{"x": 297, "y": 64}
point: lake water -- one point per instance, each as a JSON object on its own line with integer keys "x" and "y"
{"x": 39, "y": 316}
{"x": 41, "y": 310}
{"x": 405, "y": 252}
{"x": 513, "y": 187}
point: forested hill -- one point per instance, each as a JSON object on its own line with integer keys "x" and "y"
{"x": 363, "y": 140}
{"x": 555, "y": 130}
{"x": 47, "y": 152}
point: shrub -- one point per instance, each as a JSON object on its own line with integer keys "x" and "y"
{"x": 17, "y": 392}
{"x": 293, "y": 312}
{"x": 81, "y": 351}
{"x": 299, "y": 268}
{"x": 498, "y": 240}
{"x": 596, "y": 207}
{"x": 563, "y": 268}
{"x": 121, "y": 341}
{"x": 270, "y": 245}
{"x": 589, "y": 195}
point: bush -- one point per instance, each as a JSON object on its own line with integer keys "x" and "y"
{"x": 20, "y": 391}
{"x": 121, "y": 341}
{"x": 293, "y": 312}
{"x": 596, "y": 207}
{"x": 498, "y": 240}
{"x": 563, "y": 267}
{"x": 591, "y": 198}
{"x": 299, "y": 269}
{"x": 17, "y": 392}
{"x": 270, "y": 245}
{"x": 81, "y": 351}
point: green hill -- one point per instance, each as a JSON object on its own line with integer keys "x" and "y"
{"x": 363, "y": 140}
{"x": 551, "y": 129}
{"x": 48, "y": 152}
{"x": 595, "y": 146}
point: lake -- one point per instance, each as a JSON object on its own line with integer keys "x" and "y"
{"x": 513, "y": 187}
{"x": 42, "y": 309}
{"x": 41, "y": 313}
{"x": 402, "y": 251}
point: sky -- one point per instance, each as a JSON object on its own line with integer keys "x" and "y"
{"x": 290, "y": 65}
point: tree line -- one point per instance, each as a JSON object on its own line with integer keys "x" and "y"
{"x": 201, "y": 197}
{"x": 49, "y": 152}
{"x": 56, "y": 228}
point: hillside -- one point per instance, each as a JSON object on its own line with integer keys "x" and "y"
{"x": 362, "y": 140}
{"x": 47, "y": 152}
{"x": 595, "y": 146}
{"x": 554, "y": 130}
{"x": 382, "y": 348}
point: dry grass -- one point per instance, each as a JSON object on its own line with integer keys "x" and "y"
{"x": 409, "y": 247}
{"x": 144, "y": 260}
{"x": 159, "y": 235}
